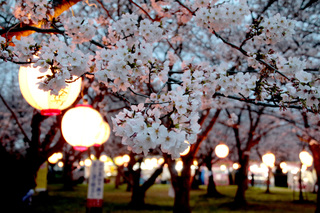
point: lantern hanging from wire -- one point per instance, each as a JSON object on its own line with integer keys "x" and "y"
{"x": 47, "y": 103}
{"x": 80, "y": 126}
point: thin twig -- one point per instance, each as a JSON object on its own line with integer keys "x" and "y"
{"x": 142, "y": 9}
{"x": 142, "y": 95}
{"x": 246, "y": 54}
{"x": 105, "y": 9}
{"x": 187, "y": 8}
{"x": 15, "y": 118}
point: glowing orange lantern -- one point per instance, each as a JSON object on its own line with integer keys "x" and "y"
{"x": 80, "y": 126}
{"x": 47, "y": 103}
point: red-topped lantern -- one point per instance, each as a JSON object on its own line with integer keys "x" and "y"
{"x": 47, "y": 103}
{"x": 80, "y": 126}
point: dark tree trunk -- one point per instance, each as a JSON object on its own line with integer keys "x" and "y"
{"x": 242, "y": 181}
{"x": 118, "y": 177}
{"x": 181, "y": 186}
{"x": 181, "y": 183}
{"x": 315, "y": 149}
{"x": 138, "y": 194}
{"x": 67, "y": 173}
{"x": 196, "y": 179}
{"x": 212, "y": 189}
{"x": 139, "y": 191}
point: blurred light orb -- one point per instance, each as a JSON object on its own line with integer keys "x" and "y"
{"x": 118, "y": 161}
{"x": 269, "y": 159}
{"x": 235, "y": 166}
{"x": 60, "y": 164}
{"x": 306, "y": 158}
{"x": 47, "y": 103}
{"x": 179, "y": 166}
{"x": 87, "y": 162}
{"x": 222, "y": 150}
{"x": 54, "y": 158}
{"x": 103, "y": 158}
{"x": 126, "y": 158}
{"x": 195, "y": 162}
{"x": 80, "y": 126}
{"x": 160, "y": 161}
{"x": 223, "y": 167}
{"x": 283, "y": 165}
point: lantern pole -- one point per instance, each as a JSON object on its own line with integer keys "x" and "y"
{"x": 269, "y": 160}
{"x": 300, "y": 184}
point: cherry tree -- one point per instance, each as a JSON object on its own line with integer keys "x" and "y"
{"x": 169, "y": 59}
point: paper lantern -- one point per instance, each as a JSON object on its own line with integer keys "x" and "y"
{"x": 118, "y": 160}
{"x": 306, "y": 158}
{"x": 80, "y": 126}
{"x": 103, "y": 134}
{"x": 48, "y": 104}
{"x": 187, "y": 150}
{"x": 269, "y": 159}
{"x": 222, "y": 150}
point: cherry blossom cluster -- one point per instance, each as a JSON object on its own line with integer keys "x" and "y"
{"x": 24, "y": 48}
{"x": 129, "y": 26}
{"x": 306, "y": 91}
{"x": 220, "y": 16}
{"x": 121, "y": 67}
{"x": 206, "y": 80}
{"x": 33, "y": 11}
{"x": 130, "y": 62}
{"x": 65, "y": 62}
{"x": 290, "y": 66}
{"x": 276, "y": 29}
{"x": 79, "y": 29}
{"x": 142, "y": 128}
{"x": 4, "y": 53}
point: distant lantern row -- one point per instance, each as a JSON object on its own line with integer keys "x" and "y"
{"x": 81, "y": 126}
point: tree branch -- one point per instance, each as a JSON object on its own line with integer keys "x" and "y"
{"x": 15, "y": 118}
{"x": 145, "y": 12}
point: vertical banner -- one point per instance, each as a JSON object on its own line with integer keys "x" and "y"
{"x": 95, "y": 186}
{"x": 41, "y": 179}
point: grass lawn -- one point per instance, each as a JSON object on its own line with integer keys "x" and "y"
{"x": 157, "y": 200}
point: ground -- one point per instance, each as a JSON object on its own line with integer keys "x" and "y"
{"x": 158, "y": 200}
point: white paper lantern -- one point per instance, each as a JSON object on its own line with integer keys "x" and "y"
{"x": 48, "y": 104}
{"x": 80, "y": 126}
